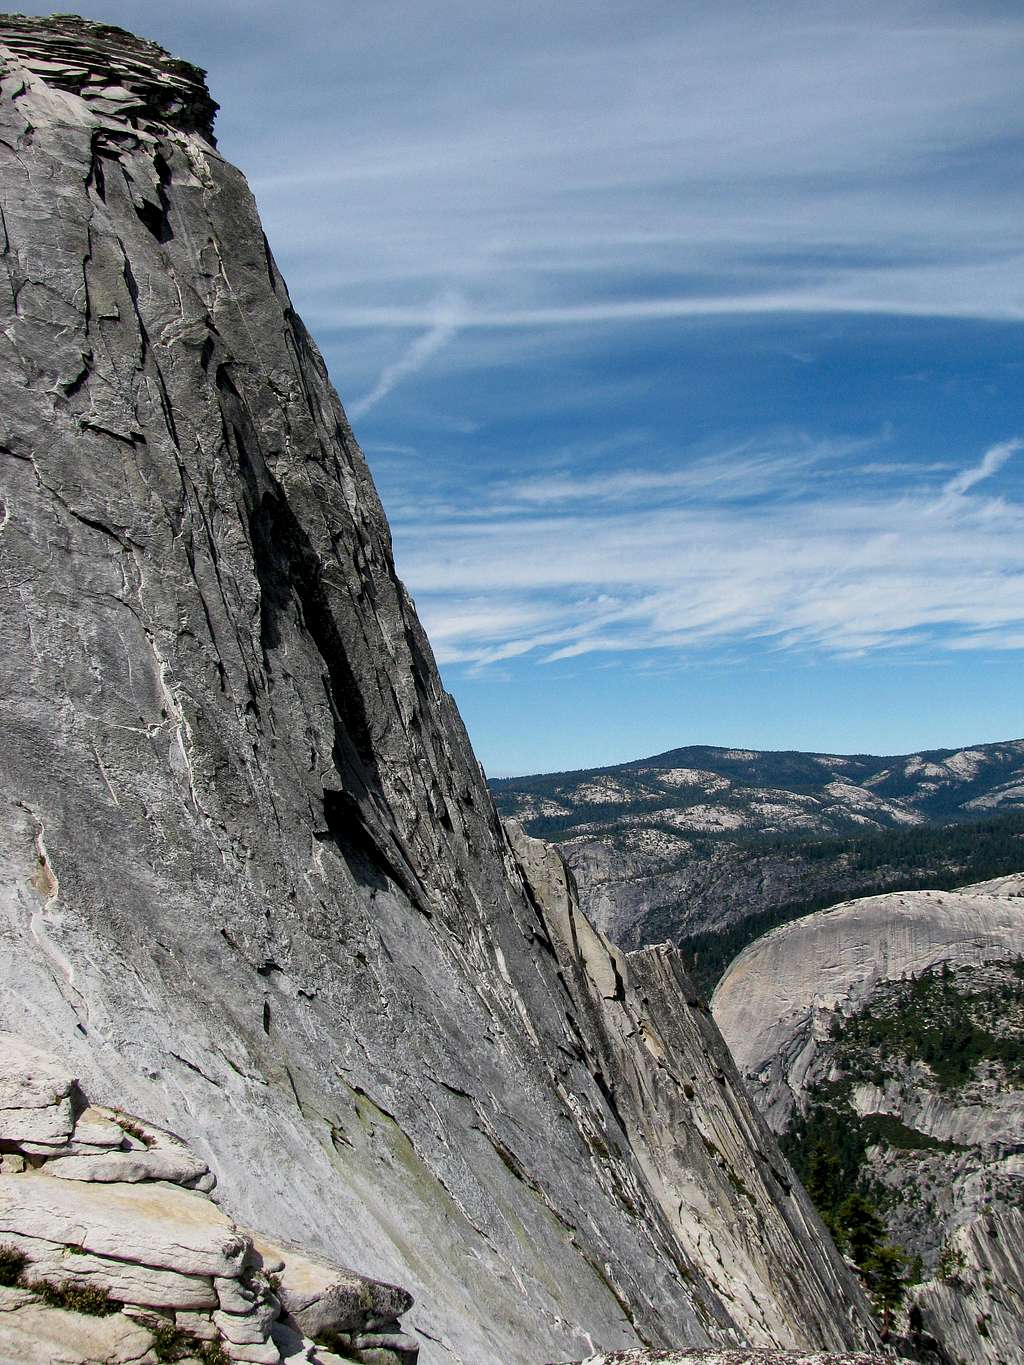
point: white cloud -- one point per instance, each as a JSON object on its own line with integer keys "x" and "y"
{"x": 543, "y": 159}
{"x": 824, "y": 569}
{"x": 991, "y": 463}
{"x": 448, "y": 312}
{"x": 978, "y": 293}
{"x": 741, "y": 471}
{"x": 1005, "y": 640}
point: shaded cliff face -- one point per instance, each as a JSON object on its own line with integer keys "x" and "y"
{"x": 252, "y": 883}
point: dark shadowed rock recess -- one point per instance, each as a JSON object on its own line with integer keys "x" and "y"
{"x": 253, "y": 885}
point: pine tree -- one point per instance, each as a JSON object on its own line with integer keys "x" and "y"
{"x": 859, "y": 1228}
{"x": 822, "y": 1182}
{"x": 883, "y": 1273}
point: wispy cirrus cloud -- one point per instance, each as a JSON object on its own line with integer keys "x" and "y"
{"x": 448, "y": 313}
{"x": 567, "y": 169}
{"x": 991, "y": 463}
{"x": 976, "y": 293}
{"x": 825, "y": 567}
{"x": 749, "y": 469}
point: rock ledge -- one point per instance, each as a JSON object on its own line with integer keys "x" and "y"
{"x": 105, "y": 1203}
{"x": 108, "y": 66}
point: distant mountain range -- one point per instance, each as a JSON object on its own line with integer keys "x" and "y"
{"x": 712, "y": 846}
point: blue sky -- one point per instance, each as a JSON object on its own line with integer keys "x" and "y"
{"x": 684, "y": 341}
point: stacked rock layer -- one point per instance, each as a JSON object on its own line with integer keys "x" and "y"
{"x": 111, "y": 1248}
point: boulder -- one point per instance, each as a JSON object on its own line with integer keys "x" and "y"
{"x": 384, "y": 1348}
{"x": 156, "y": 1225}
{"x": 323, "y": 1298}
{"x": 249, "y": 1329}
{"x": 121, "y": 1278}
{"x": 98, "y": 1127}
{"x": 257, "y": 1354}
{"x": 94, "y": 1131}
{"x": 179, "y": 1167}
{"x": 196, "y": 1324}
{"x": 49, "y": 1125}
{"x": 33, "y": 1334}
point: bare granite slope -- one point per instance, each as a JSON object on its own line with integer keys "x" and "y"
{"x": 776, "y": 1003}
{"x": 898, "y": 1021}
{"x": 252, "y": 883}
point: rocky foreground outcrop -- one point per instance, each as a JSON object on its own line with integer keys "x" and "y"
{"x": 112, "y": 1250}
{"x": 252, "y": 883}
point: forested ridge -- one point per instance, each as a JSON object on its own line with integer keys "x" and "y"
{"x": 710, "y": 848}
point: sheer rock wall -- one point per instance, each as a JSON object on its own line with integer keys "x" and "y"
{"x": 977, "y": 1312}
{"x": 251, "y": 880}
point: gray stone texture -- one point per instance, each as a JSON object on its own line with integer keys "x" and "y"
{"x": 164, "y": 1257}
{"x": 754, "y": 1357}
{"x": 777, "y": 999}
{"x": 978, "y": 1313}
{"x": 252, "y": 883}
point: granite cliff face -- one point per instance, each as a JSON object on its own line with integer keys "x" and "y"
{"x": 252, "y": 884}
{"x": 890, "y": 1032}
{"x": 777, "y": 1003}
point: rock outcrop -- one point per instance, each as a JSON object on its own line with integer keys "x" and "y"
{"x": 680, "y": 1105}
{"x": 120, "y": 1261}
{"x": 252, "y": 883}
{"x": 777, "y": 1002}
{"x": 898, "y": 1023}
